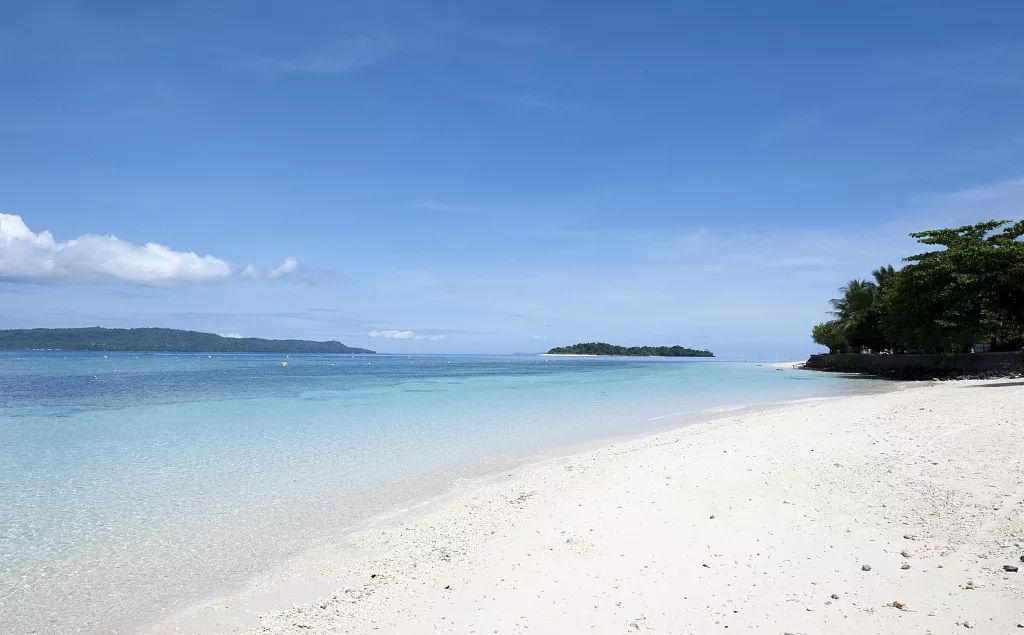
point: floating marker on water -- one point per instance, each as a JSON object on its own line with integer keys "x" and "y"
{"x": 284, "y": 364}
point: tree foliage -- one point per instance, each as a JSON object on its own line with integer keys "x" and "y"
{"x": 831, "y": 334}
{"x": 600, "y": 348}
{"x": 155, "y": 339}
{"x": 970, "y": 290}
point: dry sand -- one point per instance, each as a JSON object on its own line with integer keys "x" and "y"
{"x": 764, "y": 521}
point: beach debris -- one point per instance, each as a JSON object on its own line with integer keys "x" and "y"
{"x": 908, "y": 536}
{"x": 967, "y": 624}
{"x": 706, "y": 565}
{"x": 448, "y": 587}
{"x": 896, "y": 604}
{"x": 969, "y": 585}
{"x": 865, "y": 567}
{"x": 905, "y": 553}
{"x": 712, "y": 516}
{"x": 834, "y": 596}
{"x": 904, "y": 566}
{"x": 1010, "y": 568}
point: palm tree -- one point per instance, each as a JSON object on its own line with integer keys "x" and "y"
{"x": 858, "y": 296}
{"x": 883, "y": 275}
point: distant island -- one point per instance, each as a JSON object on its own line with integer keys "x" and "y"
{"x": 601, "y": 348}
{"x": 157, "y": 340}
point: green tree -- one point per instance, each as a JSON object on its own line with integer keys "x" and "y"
{"x": 857, "y": 317}
{"x": 830, "y": 334}
{"x": 883, "y": 275}
{"x": 969, "y": 291}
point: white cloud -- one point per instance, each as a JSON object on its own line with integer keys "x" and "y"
{"x": 26, "y": 255}
{"x": 394, "y": 335}
{"x": 341, "y": 57}
{"x": 527, "y": 100}
{"x": 406, "y": 335}
{"x": 441, "y": 206}
{"x": 287, "y": 267}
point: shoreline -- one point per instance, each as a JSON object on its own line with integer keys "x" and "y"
{"x": 240, "y": 606}
{"x": 256, "y": 592}
{"x": 338, "y": 570}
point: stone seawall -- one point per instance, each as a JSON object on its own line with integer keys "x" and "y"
{"x": 916, "y": 366}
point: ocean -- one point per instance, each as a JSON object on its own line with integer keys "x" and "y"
{"x": 133, "y": 485}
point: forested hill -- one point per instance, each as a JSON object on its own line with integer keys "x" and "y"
{"x": 154, "y": 339}
{"x": 600, "y": 348}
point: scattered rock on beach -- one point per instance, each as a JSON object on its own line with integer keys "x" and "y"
{"x": 865, "y": 567}
{"x": 905, "y": 553}
{"x": 896, "y": 604}
{"x": 835, "y": 596}
{"x": 904, "y": 566}
{"x": 1010, "y": 568}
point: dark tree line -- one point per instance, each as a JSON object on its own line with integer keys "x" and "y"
{"x": 600, "y": 348}
{"x": 156, "y": 339}
{"x": 968, "y": 291}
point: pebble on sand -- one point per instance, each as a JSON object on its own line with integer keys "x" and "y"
{"x": 865, "y": 567}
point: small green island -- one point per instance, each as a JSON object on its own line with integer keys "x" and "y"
{"x": 601, "y": 348}
{"x": 157, "y": 340}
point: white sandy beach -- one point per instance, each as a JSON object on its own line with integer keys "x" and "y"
{"x": 765, "y": 521}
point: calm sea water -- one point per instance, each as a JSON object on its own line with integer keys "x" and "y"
{"x": 132, "y": 484}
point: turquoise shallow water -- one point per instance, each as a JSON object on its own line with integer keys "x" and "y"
{"x": 132, "y": 484}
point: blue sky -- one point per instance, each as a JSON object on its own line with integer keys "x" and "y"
{"x": 491, "y": 177}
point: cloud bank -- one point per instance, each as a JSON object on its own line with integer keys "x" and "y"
{"x": 26, "y": 255}
{"x": 393, "y": 334}
{"x": 406, "y": 335}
